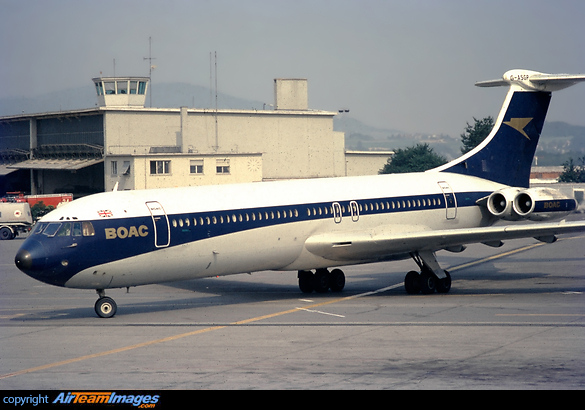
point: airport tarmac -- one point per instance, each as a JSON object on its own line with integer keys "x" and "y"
{"x": 514, "y": 319}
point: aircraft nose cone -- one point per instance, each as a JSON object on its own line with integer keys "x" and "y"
{"x": 31, "y": 258}
{"x": 23, "y": 260}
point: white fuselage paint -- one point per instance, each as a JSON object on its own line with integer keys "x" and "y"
{"x": 275, "y": 247}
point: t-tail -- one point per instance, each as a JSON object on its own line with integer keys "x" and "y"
{"x": 506, "y": 155}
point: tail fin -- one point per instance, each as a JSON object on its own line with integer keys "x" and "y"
{"x": 506, "y": 155}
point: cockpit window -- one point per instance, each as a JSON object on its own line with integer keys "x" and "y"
{"x": 39, "y": 228}
{"x": 51, "y": 229}
{"x": 76, "y": 229}
{"x": 65, "y": 229}
{"x": 87, "y": 229}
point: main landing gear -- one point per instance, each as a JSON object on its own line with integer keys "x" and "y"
{"x": 431, "y": 277}
{"x": 321, "y": 281}
{"x": 105, "y": 306}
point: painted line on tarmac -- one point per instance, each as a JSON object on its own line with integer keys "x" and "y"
{"x": 183, "y": 335}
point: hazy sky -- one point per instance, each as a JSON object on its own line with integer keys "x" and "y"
{"x": 409, "y": 65}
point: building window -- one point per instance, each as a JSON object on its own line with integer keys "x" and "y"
{"x": 160, "y": 167}
{"x": 110, "y": 87}
{"x": 114, "y": 167}
{"x": 122, "y": 87}
{"x": 126, "y": 168}
{"x": 99, "y": 88}
{"x": 196, "y": 166}
{"x": 222, "y": 166}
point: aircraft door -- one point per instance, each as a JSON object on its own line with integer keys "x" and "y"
{"x": 162, "y": 228}
{"x": 450, "y": 200}
{"x": 337, "y": 212}
{"x": 354, "y": 210}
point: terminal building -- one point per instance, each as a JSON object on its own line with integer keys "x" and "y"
{"x": 121, "y": 144}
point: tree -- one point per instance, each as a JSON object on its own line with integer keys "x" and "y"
{"x": 572, "y": 172}
{"x": 476, "y": 133}
{"x": 418, "y": 158}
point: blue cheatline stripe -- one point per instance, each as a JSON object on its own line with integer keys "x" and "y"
{"x": 189, "y": 227}
{"x": 192, "y": 227}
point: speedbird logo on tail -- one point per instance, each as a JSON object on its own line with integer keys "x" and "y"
{"x": 519, "y": 124}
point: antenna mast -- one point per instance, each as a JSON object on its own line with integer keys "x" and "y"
{"x": 150, "y": 66}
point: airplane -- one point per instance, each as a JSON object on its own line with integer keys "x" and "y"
{"x": 128, "y": 238}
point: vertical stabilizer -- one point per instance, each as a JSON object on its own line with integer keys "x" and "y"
{"x": 506, "y": 155}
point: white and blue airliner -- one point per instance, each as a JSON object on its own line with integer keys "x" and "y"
{"x": 129, "y": 238}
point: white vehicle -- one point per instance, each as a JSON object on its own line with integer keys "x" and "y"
{"x": 15, "y": 218}
{"x": 130, "y": 238}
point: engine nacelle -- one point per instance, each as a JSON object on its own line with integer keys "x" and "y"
{"x": 501, "y": 204}
{"x": 535, "y": 204}
{"x": 539, "y": 204}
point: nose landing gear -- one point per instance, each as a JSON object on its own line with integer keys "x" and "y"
{"x": 105, "y": 306}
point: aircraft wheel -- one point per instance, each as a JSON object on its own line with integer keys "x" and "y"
{"x": 305, "y": 281}
{"x": 412, "y": 283}
{"x": 105, "y": 307}
{"x": 428, "y": 282}
{"x": 337, "y": 280}
{"x": 321, "y": 281}
{"x": 444, "y": 285}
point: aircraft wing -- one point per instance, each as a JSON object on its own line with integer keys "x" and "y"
{"x": 392, "y": 240}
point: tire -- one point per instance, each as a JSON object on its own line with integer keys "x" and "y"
{"x": 428, "y": 283}
{"x": 105, "y": 307}
{"x": 6, "y": 233}
{"x": 337, "y": 280}
{"x": 444, "y": 285}
{"x": 321, "y": 281}
{"x": 306, "y": 281}
{"x": 412, "y": 283}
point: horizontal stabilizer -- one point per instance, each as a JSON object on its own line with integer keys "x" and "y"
{"x": 534, "y": 81}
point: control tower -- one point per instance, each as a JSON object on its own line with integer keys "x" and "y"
{"x": 121, "y": 91}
